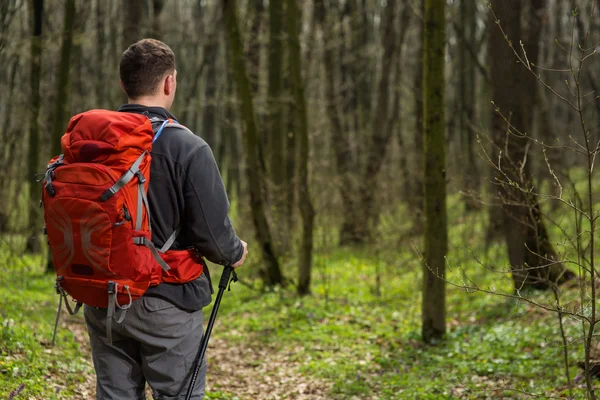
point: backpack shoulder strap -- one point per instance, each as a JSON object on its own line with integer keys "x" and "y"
{"x": 159, "y": 131}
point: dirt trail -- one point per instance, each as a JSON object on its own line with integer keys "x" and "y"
{"x": 249, "y": 373}
{"x": 260, "y": 373}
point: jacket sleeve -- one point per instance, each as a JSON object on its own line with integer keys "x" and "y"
{"x": 207, "y": 206}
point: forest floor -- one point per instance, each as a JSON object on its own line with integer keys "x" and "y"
{"x": 356, "y": 337}
{"x": 252, "y": 372}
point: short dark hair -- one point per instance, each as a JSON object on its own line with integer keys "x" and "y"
{"x": 143, "y": 65}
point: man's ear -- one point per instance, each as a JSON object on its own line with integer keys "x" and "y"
{"x": 168, "y": 85}
{"x": 122, "y": 87}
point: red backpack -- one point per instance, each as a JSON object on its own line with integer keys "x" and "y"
{"x": 97, "y": 216}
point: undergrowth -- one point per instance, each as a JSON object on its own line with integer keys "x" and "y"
{"x": 359, "y": 330}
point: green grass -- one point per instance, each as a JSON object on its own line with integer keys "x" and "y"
{"x": 360, "y": 336}
{"x": 371, "y": 345}
{"x": 27, "y": 313}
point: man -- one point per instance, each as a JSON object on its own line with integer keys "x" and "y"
{"x": 159, "y": 338}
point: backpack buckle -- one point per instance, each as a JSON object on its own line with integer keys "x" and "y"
{"x": 141, "y": 177}
{"x": 111, "y": 287}
{"x": 57, "y": 285}
{"x": 50, "y": 189}
{"x": 48, "y": 177}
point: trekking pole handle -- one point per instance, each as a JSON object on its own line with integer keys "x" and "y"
{"x": 226, "y": 275}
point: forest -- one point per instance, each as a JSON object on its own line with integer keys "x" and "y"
{"x": 415, "y": 180}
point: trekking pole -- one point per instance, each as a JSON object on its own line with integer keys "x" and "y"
{"x": 213, "y": 315}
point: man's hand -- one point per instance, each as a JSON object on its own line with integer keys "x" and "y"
{"x": 245, "y": 253}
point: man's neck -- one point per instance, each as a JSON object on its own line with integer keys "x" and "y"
{"x": 148, "y": 102}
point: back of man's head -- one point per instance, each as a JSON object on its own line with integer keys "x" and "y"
{"x": 143, "y": 67}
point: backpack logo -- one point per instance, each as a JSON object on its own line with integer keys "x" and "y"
{"x": 92, "y": 223}
{"x": 64, "y": 251}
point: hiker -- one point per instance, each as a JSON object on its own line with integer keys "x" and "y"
{"x": 158, "y": 339}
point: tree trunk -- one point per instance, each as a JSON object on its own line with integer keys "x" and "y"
{"x": 33, "y": 243}
{"x": 116, "y": 48}
{"x": 290, "y": 182}
{"x": 349, "y": 52}
{"x": 275, "y": 109}
{"x": 552, "y": 114}
{"x": 254, "y": 45}
{"x": 63, "y": 82}
{"x": 135, "y": 13}
{"x": 514, "y": 92}
{"x": 272, "y": 274}
{"x": 209, "y": 51}
{"x": 467, "y": 102}
{"x": 100, "y": 84}
{"x": 339, "y": 139}
{"x": 363, "y": 220}
{"x": 255, "y": 62}
{"x": 381, "y": 131}
{"x": 304, "y": 201}
{"x": 9, "y": 140}
{"x": 79, "y": 86}
{"x": 436, "y": 230}
{"x": 209, "y": 110}
{"x": 8, "y": 9}
{"x": 352, "y": 67}
{"x": 157, "y": 8}
{"x": 417, "y": 185}
{"x": 276, "y": 143}
{"x": 361, "y": 26}
{"x": 395, "y": 119}
{"x": 232, "y": 133}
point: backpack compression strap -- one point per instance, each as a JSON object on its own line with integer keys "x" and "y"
{"x": 125, "y": 179}
{"x": 113, "y": 303}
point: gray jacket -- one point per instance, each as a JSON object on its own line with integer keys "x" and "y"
{"x": 186, "y": 191}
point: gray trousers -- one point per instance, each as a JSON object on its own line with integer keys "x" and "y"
{"x": 156, "y": 343}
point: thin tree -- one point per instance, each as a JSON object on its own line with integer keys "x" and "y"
{"x": 254, "y": 46}
{"x": 33, "y": 163}
{"x": 381, "y": 132}
{"x": 63, "y": 82}
{"x": 358, "y": 174}
{"x": 135, "y": 12}
{"x": 276, "y": 148}
{"x": 467, "y": 77}
{"x": 133, "y": 16}
{"x": 417, "y": 184}
{"x": 396, "y": 121}
{"x": 9, "y": 140}
{"x": 209, "y": 109}
{"x": 304, "y": 200}
{"x": 272, "y": 273}
{"x": 100, "y": 84}
{"x": 344, "y": 157}
{"x": 434, "y": 154}
{"x": 8, "y": 10}
{"x": 157, "y": 8}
